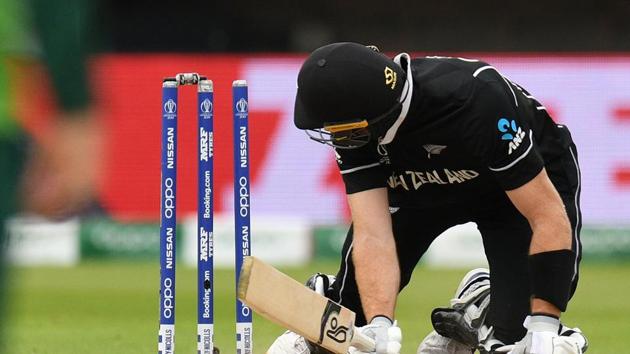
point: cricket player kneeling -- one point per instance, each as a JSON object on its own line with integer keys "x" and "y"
{"x": 381, "y": 327}
{"x": 460, "y": 329}
{"x": 424, "y": 144}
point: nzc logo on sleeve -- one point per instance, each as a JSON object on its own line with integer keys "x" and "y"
{"x": 511, "y": 132}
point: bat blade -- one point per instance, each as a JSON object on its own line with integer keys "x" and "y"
{"x": 290, "y": 304}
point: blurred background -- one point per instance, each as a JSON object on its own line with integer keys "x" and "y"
{"x": 79, "y": 138}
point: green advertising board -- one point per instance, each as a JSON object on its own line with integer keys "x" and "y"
{"x": 599, "y": 243}
{"x": 103, "y": 238}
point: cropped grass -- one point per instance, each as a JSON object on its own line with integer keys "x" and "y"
{"x": 106, "y": 307}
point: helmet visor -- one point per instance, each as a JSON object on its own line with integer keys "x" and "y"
{"x": 342, "y": 139}
{"x": 349, "y": 135}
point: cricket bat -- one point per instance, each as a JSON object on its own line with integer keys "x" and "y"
{"x": 292, "y": 305}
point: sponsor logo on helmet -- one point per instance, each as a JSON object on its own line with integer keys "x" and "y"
{"x": 390, "y": 77}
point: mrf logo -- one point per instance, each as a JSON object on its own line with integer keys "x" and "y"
{"x": 205, "y": 244}
{"x": 390, "y": 77}
{"x": 330, "y": 326}
{"x": 510, "y": 132}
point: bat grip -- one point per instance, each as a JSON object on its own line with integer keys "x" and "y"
{"x": 363, "y": 342}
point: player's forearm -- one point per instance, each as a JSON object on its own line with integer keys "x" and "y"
{"x": 377, "y": 273}
{"x": 551, "y": 262}
{"x": 551, "y": 232}
{"x": 549, "y": 235}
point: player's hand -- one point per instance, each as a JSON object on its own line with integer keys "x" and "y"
{"x": 61, "y": 177}
{"x": 542, "y": 338}
{"x": 386, "y": 335}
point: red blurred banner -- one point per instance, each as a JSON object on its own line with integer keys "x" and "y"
{"x": 292, "y": 175}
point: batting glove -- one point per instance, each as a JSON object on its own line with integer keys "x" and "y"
{"x": 542, "y": 338}
{"x": 386, "y": 335}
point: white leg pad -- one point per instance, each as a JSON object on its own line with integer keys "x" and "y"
{"x": 289, "y": 343}
{"x": 437, "y": 344}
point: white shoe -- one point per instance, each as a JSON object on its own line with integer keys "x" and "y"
{"x": 471, "y": 282}
{"x": 289, "y": 343}
{"x": 437, "y": 344}
{"x": 463, "y": 320}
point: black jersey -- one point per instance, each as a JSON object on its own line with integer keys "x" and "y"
{"x": 470, "y": 133}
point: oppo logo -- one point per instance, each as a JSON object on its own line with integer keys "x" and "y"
{"x": 169, "y": 198}
{"x": 243, "y": 197}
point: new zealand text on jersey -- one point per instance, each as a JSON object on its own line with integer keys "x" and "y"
{"x": 415, "y": 179}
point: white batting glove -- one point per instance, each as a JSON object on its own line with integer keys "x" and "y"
{"x": 542, "y": 338}
{"x": 386, "y": 335}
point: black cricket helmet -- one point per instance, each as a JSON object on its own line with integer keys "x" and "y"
{"x": 344, "y": 90}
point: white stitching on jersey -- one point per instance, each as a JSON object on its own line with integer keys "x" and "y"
{"x": 482, "y": 69}
{"x": 391, "y": 132}
{"x": 350, "y": 170}
{"x": 510, "y": 87}
{"x": 531, "y": 143}
{"x": 478, "y": 71}
{"x": 345, "y": 272}
{"x": 577, "y": 216}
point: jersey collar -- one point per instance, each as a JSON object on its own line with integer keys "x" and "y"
{"x": 404, "y": 61}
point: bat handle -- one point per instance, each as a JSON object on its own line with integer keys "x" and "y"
{"x": 363, "y": 342}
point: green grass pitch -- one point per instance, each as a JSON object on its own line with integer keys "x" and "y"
{"x": 105, "y": 307}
